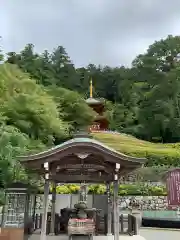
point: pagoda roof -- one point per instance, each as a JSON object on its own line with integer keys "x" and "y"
{"x": 97, "y": 158}
{"x": 94, "y": 101}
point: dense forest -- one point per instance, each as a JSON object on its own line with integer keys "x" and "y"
{"x": 142, "y": 100}
{"x": 42, "y": 99}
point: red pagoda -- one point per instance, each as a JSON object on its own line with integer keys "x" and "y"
{"x": 98, "y": 105}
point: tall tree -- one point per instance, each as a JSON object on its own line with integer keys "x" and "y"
{"x": 63, "y": 69}
{"x": 157, "y": 89}
{"x": 72, "y": 105}
{"x": 28, "y": 107}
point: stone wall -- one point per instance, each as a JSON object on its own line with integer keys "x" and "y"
{"x": 133, "y": 178}
{"x": 129, "y": 179}
{"x": 147, "y": 202}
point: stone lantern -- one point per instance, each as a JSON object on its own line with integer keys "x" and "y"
{"x": 19, "y": 211}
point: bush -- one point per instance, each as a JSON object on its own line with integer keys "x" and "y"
{"x": 124, "y": 189}
{"x": 142, "y": 190}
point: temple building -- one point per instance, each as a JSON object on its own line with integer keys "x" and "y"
{"x": 98, "y": 105}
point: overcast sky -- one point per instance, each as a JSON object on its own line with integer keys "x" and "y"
{"x": 107, "y": 32}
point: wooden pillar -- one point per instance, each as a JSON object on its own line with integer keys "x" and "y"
{"x": 4, "y": 211}
{"x": 34, "y": 210}
{"x": 52, "y": 232}
{"x": 109, "y": 214}
{"x": 45, "y": 207}
{"x": 116, "y": 211}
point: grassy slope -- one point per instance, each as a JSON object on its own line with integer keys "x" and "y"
{"x": 130, "y": 145}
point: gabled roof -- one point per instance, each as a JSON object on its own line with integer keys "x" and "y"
{"x": 66, "y": 164}
{"x": 82, "y": 142}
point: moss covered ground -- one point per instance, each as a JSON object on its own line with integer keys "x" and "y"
{"x": 156, "y": 153}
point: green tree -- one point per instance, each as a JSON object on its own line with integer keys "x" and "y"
{"x": 28, "y": 107}
{"x": 75, "y": 110}
{"x": 120, "y": 118}
{"x": 144, "y": 98}
{"x": 44, "y": 73}
{"x": 158, "y": 90}
{"x": 12, "y": 144}
{"x": 1, "y": 55}
{"x": 13, "y": 58}
{"x": 63, "y": 69}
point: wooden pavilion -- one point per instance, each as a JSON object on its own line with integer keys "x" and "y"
{"x": 82, "y": 159}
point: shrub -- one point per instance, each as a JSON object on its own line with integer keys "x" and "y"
{"x": 124, "y": 189}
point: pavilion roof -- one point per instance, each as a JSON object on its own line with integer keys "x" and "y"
{"x": 100, "y": 158}
{"x": 82, "y": 141}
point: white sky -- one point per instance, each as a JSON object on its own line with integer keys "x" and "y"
{"x": 103, "y": 32}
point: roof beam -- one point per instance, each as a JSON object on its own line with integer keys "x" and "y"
{"x": 63, "y": 178}
{"x": 84, "y": 167}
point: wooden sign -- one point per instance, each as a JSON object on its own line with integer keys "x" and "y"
{"x": 173, "y": 187}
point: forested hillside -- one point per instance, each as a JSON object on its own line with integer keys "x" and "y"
{"x": 142, "y": 100}
{"x": 33, "y": 117}
{"x": 42, "y": 104}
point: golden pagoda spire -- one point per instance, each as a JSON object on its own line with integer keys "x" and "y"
{"x": 91, "y": 88}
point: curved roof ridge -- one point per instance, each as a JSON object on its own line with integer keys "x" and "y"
{"x": 80, "y": 140}
{"x": 94, "y": 100}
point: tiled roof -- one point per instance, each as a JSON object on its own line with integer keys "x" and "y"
{"x": 93, "y": 101}
{"x": 81, "y": 140}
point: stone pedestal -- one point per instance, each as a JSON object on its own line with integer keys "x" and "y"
{"x": 138, "y": 214}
